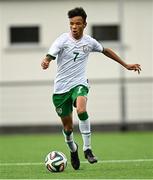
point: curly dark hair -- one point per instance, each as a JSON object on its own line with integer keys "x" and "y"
{"x": 78, "y": 11}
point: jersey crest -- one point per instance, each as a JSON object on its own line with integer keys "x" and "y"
{"x": 86, "y": 49}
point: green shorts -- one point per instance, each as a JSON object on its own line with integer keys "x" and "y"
{"x": 64, "y": 102}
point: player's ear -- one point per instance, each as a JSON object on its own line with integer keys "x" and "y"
{"x": 85, "y": 24}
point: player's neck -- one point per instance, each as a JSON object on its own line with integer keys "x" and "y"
{"x": 77, "y": 38}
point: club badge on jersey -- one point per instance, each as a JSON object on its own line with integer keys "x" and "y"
{"x": 86, "y": 48}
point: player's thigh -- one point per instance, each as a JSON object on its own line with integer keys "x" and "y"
{"x": 81, "y": 104}
{"x": 79, "y": 97}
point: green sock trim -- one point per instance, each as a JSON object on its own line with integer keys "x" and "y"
{"x": 67, "y": 133}
{"x": 83, "y": 116}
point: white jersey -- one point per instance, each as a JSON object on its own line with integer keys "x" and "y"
{"x": 72, "y": 56}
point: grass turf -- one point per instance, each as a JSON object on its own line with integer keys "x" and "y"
{"x": 107, "y": 146}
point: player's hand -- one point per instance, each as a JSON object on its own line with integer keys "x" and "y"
{"x": 135, "y": 67}
{"x": 45, "y": 64}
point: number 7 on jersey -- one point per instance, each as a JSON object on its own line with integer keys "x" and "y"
{"x": 76, "y": 55}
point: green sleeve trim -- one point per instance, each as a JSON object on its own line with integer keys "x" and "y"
{"x": 51, "y": 57}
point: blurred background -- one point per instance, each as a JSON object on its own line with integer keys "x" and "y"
{"x": 118, "y": 99}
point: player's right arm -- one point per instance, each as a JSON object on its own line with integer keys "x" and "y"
{"x": 53, "y": 51}
{"x": 46, "y": 61}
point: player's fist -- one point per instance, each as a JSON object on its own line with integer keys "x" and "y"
{"x": 135, "y": 67}
{"x": 45, "y": 64}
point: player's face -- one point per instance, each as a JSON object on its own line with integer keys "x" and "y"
{"x": 77, "y": 26}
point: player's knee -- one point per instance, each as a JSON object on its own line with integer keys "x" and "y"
{"x": 80, "y": 110}
{"x": 67, "y": 123}
{"x": 83, "y": 116}
{"x": 68, "y": 128}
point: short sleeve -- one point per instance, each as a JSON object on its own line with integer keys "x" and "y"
{"x": 96, "y": 46}
{"x": 56, "y": 47}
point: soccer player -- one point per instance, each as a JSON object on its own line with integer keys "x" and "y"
{"x": 71, "y": 85}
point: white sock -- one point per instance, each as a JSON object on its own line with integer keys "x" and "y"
{"x": 70, "y": 142}
{"x": 84, "y": 127}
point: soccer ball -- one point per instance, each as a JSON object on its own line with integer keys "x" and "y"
{"x": 56, "y": 161}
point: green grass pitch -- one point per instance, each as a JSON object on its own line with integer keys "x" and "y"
{"x": 121, "y": 156}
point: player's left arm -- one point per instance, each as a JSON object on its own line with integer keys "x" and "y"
{"x": 111, "y": 54}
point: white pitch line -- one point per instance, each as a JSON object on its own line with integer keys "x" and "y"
{"x": 104, "y": 161}
{"x": 127, "y": 161}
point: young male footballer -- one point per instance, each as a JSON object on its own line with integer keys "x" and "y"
{"x": 71, "y": 51}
